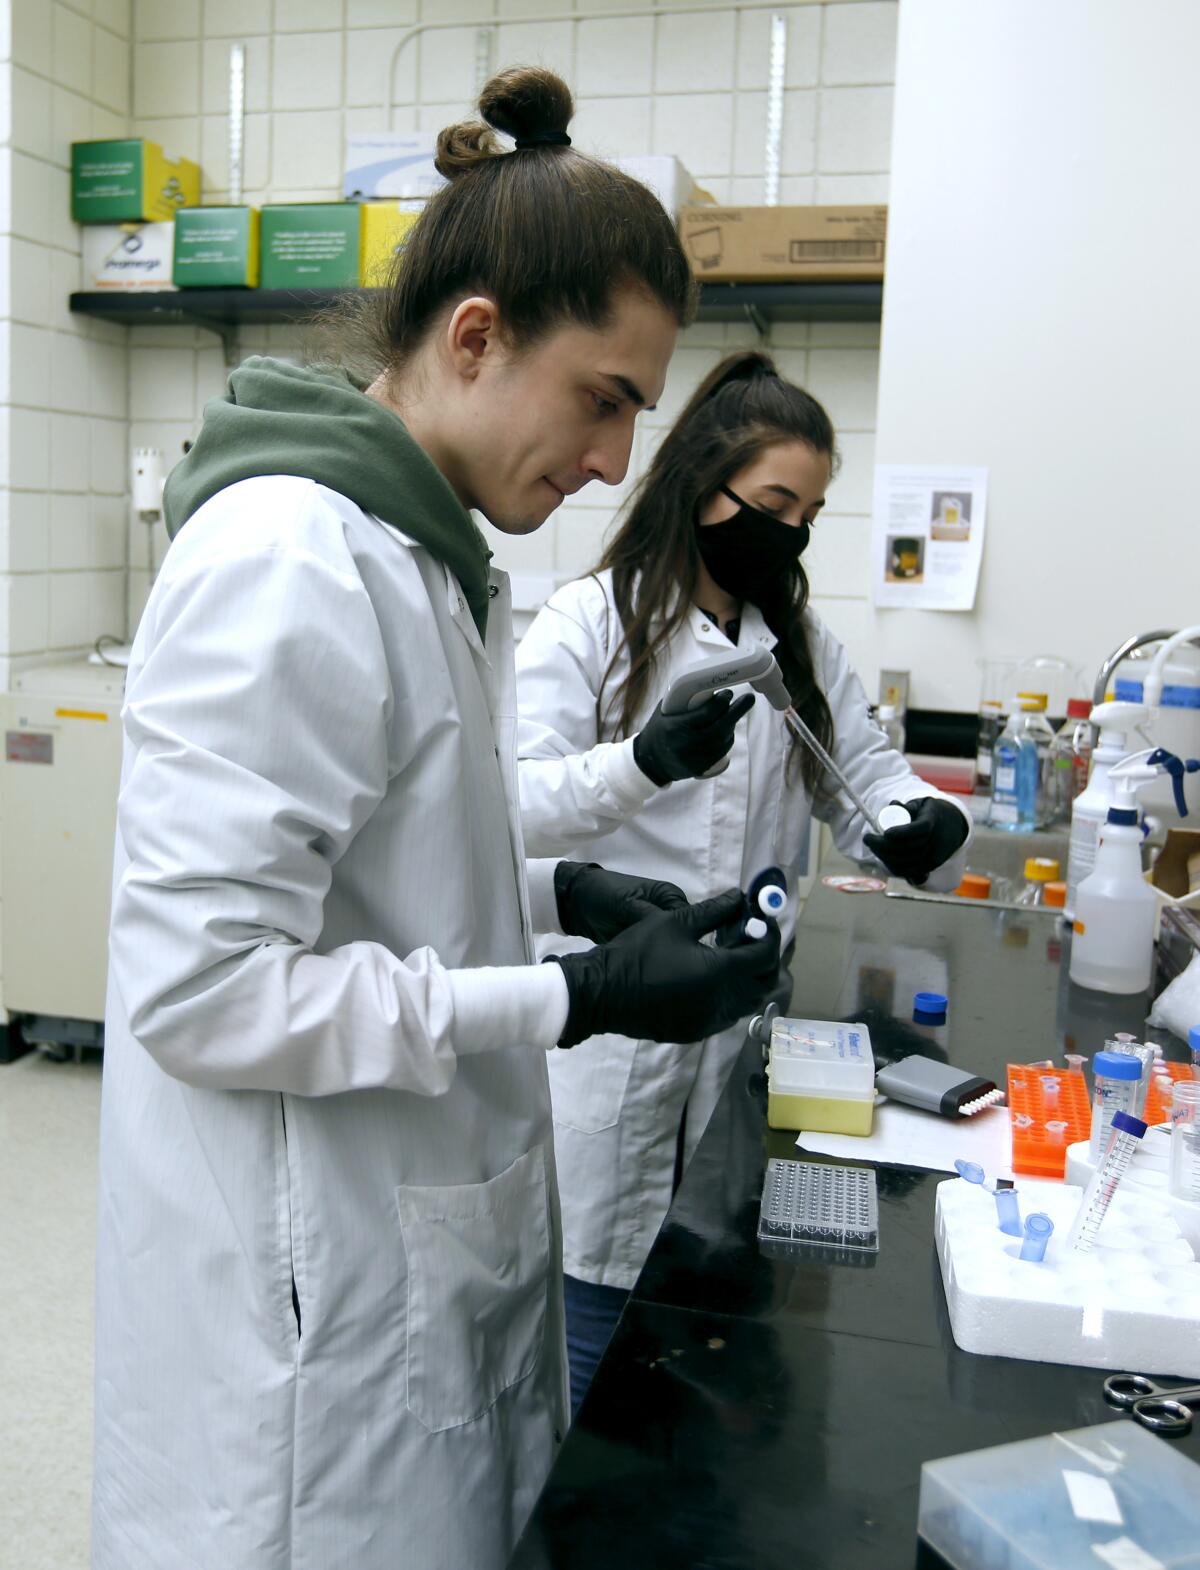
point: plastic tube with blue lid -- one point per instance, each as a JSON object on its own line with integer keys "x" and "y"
{"x": 1008, "y": 1211}
{"x": 1038, "y": 1228}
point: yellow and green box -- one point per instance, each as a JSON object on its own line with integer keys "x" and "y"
{"x": 129, "y": 180}
{"x": 216, "y": 248}
{"x": 310, "y": 245}
{"x": 385, "y": 230}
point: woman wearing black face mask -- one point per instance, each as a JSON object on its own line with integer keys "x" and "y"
{"x": 710, "y": 554}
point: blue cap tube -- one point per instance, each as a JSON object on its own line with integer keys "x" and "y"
{"x": 1038, "y": 1228}
{"x": 969, "y": 1171}
{"x": 1008, "y": 1210}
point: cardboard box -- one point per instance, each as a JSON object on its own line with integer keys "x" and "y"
{"x": 128, "y": 256}
{"x": 398, "y": 164}
{"x": 668, "y": 179}
{"x": 773, "y": 244}
{"x": 129, "y": 180}
{"x": 311, "y": 245}
{"x": 216, "y": 248}
{"x": 385, "y": 228}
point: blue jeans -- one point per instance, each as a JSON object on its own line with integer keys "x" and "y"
{"x": 592, "y": 1314}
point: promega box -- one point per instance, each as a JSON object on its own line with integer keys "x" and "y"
{"x": 311, "y": 245}
{"x": 217, "y": 248}
{"x": 770, "y": 244}
{"x": 128, "y": 256}
{"x": 129, "y": 180}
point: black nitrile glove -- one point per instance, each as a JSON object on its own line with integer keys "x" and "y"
{"x": 598, "y": 904}
{"x": 685, "y": 746}
{"x": 913, "y": 850}
{"x": 657, "y": 981}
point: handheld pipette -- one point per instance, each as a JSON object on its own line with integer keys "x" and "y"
{"x": 760, "y": 669}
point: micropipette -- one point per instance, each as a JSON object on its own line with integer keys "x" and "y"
{"x": 760, "y": 669}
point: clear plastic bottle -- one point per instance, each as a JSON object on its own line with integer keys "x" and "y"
{"x": 1069, "y": 761}
{"x": 1184, "y": 1179}
{"x": 1117, "y": 722}
{"x": 1037, "y": 726}
{"x": 1115, "y": 1080}
{"x": 992, "y": 720}
{"x": 1039, "y": 871}
{"x": 1016, "y": 773}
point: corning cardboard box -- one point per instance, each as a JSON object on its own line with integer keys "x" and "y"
{"x": 129, "y": 180}
{"x": 775, "y": 244}
{"x": 311, "y": 245}
{"x": 216, "y": 248}
{"x": 385, "y": 228}
{"x": 128, "y": 256}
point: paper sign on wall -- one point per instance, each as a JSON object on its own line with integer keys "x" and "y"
{"x": 927, "y": 536}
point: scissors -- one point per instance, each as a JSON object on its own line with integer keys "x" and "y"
{"x": 1153, "y": 1405}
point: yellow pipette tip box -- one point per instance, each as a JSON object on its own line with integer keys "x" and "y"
{"x": 821, "y": 1077}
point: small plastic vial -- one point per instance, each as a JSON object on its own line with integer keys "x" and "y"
{"x": 1116, "y": 1077}
{"x": 1038, "y": 1228}
{"x": 1184, "y": 1172}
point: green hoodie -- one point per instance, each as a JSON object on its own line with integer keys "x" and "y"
{"x": 283, "y": 419}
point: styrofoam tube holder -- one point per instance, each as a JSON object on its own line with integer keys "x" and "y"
{"x": 1132, "y": 1301}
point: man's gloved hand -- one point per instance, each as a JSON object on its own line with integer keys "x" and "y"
{"x": 913, "y": 850}
{"x": 656, "y": 980}
{"x": 685, "y": 746}
{"x": 598, "y": 904}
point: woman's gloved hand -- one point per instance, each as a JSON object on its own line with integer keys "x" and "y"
{"x": 912, "y": 850}
{"x": 685, "y": 746}
{"x": 597, "y": 904}
{"x": 656, "y": 980}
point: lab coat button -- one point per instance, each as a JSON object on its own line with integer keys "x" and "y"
{"x": 704, "y": 627}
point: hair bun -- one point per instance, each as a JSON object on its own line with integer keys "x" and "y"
{"x": 527, "y": 101}
{"x": 523, "y": 101}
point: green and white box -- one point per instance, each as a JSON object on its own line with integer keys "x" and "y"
{"x": 216, "y": 248}
{"x": 128, "y": 257}
{"x": 129, "y": 180}
{"x": 311, "y": 245}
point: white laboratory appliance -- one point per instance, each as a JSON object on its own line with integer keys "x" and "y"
{"x": 58, "y": 801}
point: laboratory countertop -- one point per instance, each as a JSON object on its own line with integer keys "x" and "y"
{"x": 752, "y": 1412}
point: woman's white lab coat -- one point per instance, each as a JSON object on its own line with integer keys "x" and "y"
{"x": 317, "y": 828}
{"x": 618, "y": 1105}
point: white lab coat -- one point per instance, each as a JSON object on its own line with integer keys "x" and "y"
{"x": 317, "y": 827}
{"x": 618, "y": 1103}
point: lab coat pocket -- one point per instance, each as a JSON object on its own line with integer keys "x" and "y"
{"x": 588, "y": 1082}
{"x": 478, "y": 1277}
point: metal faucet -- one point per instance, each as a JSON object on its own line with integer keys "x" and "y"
{"x": 1119, "y": 653}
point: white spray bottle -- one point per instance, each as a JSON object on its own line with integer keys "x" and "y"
{"x": 1117, "y": 722}
{"x": 1112, "y": 947}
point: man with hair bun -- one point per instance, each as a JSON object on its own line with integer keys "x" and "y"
{"x": 329, "y": 1325}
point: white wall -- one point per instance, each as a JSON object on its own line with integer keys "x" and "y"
{"x": 64, "y": 75}
{"x": 671, "y": 83}
{"x": 1042, "y": 318}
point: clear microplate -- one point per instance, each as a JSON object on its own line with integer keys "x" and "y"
{"x": 814, "y": 1204}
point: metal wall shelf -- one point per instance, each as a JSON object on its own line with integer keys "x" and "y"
{"x": 223, "y": 311}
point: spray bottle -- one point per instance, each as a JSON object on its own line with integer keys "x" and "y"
{"x": 1112, "y": 949}
{"x": 1090, "y": 808}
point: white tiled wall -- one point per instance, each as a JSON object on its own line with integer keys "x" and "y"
{"x": 63, "y": 380}
{"x": 76, "y": 394}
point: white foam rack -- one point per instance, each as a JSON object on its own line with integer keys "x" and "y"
{"x": 1132, "y": 1303}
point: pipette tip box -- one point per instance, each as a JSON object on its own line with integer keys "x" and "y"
{"x": 1109, "y": 1495}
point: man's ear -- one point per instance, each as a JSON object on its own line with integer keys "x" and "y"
{"x": 472, "y": 334}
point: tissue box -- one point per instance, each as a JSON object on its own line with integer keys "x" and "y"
{"x": 391, "y": 163}
{"x": 216, "y": 248}
{"x": 311, "y": 245}
{"x": 128, "y": 256}
{"x": 385, "y": 228}
{"x": 668, "y": 179}
{"x": 129, "y": 180}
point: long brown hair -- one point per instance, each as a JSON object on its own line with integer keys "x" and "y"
{"x": 741, "y": 407}
{"x": 547, "y": 232}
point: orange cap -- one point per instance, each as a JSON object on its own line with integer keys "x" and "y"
{"x": 1054, "y": 894}
{"x": 975, "y": 885}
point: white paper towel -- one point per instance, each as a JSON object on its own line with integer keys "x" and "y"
{"x": 907, "y": 1137}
